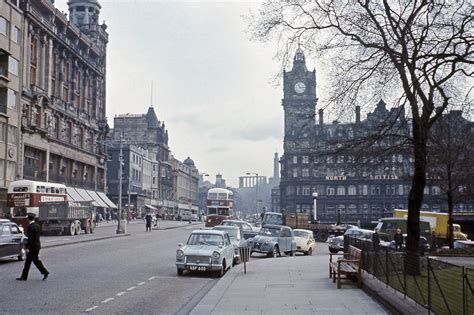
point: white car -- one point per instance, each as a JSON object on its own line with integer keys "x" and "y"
{"x": 304, "y": 241}
{"x": 206, "y": 250}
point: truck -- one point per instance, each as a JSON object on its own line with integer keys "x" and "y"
{"x": 66, "y": 218}
{"x": 438, "y": 222}
{"x": 321, "y": 231}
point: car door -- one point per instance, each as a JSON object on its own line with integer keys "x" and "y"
{"x": 283, "y": 240}
{"x": 16, "y": 239}
{"x": 3, "y": 242}
{"x": 7, "y": 248}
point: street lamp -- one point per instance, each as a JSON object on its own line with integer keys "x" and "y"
{"x": 315, "y": 205}
{"x": 256, "y": 191}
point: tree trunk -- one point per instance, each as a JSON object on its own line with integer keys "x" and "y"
{"x": 450, "y": 220}
{"x": 415, "y": 200}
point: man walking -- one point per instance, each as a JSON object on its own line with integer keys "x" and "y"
{"x": 33, "y": 247}
{"x": 398, "y": 238}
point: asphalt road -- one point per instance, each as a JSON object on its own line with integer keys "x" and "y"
{"x": 126, "y": 275}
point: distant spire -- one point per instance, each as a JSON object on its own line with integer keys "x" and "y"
{"x": 151, "y": 97}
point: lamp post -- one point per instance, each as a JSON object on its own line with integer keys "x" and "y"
{"x": 315, "y": 207}
{"x": 256, "y": 191}
{"x": 120, "y": 225}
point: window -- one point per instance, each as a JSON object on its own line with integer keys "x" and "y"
{"x": 306, "y": 191}
{"x": 352, "y": 190}
{"x": 2, "y": 132}
{"x": 295, "y": 172}
{"x": 295, "y": 160}
{"x": 330, "y": 191}
{"x": 11, "y": 170}
{"x": 15, "y": 34}
{"x": 435, "y": 190}
{"x": 13, "y": 65}
{"x": 365, "y": 190}
{"x": 11, "y": 134}
{"x": 11, "y": 99}
{"x": 3, "y": 26}
{"x": 400, "y": 190}
{"x": 341, "y": 190}
{"x": 305, "y": 159}
{"x": 427, "y": 190}
{"x": 305, "y": 172}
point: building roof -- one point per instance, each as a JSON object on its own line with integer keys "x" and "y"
{"x": 189, "y": 162}
{"x": 151, "y": 118}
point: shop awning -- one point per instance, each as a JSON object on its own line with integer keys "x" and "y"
{"x": 87, "y": 197}
{"x": 151, "y": 207}
{"x": 97, "y": 199}
{"x": 109, "y": 203}
{"x": 74, "y": 195}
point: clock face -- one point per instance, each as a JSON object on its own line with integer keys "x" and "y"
{"x": 300, "y": 87}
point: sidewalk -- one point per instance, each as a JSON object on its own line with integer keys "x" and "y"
{"x": 285, "y": 285}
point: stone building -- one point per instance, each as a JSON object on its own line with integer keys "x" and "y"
{"x": 147, "y": 132}
{"x": 186, "y": 177}
{"x": 55, "y": 95}
{"x": 11, "y": 27}
{"x": 351, "y": 186}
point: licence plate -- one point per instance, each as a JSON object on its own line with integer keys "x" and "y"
{"x": 198, "y": 268}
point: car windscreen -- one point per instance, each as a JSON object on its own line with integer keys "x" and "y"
{"x": 300, "y": 234}
{"x": 269, "y": 231}
{"x": 205, "y": 239}
{"x": 229, "y": 223}
{"x": 232, "y": 232}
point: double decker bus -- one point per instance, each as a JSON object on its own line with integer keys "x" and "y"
{"x": 219, "y": 206}
{"x": 25, "y": 196}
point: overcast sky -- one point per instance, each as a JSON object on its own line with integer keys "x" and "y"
{"x": 212, "y": 86}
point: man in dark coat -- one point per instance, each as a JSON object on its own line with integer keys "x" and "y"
{"x": 33, "y": 247}
{"x": 398, "y": 238}
{"x": 376, "y": 240}
{"x": 148, "y": 220}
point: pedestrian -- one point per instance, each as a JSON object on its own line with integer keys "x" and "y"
{"x": 375, "y": 240}
{"x": 33, "y": 247}
{"x": 433, "y": 242}
{"x": 148, "y": 219}
{"x": 398, "y": 238}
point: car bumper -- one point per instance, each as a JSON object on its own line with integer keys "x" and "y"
{"x": 338, "y": 247}
{"x": 262, "y": 248}
{"x": 198, "y": 267}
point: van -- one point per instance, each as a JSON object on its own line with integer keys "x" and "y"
{"x": 185, "y": 216}
{"x": 388, "y": 227}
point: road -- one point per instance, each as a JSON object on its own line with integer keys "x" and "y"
{"x": 126, "y": 275}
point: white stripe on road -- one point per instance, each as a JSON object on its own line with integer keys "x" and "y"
{"x": 108, "y": 300}
{"x": 131, "y": 288}
{"x": 57, "y": 239}
{"x": 141, "y": 283}
{"x": 151, "y": 278}
{"x": 121, "y": 293}
{"x": 91, "y": 309}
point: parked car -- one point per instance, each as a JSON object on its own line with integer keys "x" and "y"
{"x": 12, "y": 240}
{"x": 305, "y": 242}
{"x": 247, "y": 228}
{"x": 206, "y": 250}
{"x": 273, "y": 240}
{"x": 194, "y": 217}
{"x": 464, "y": 244}
{"x": 236, "y": 237}
{"x": 336, "y": 243}
{"x": 423, "y": 244}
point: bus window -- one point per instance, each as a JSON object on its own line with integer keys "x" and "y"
{"x": 19, "y": 212}
{"x": 42, "y": 189}
{"x": 222, "y": 211}
{"x": 222, "y": 196}
{"x": 213, "y": 196}
{"x": 48, "y": 190}
{"x": 20, "y": 189}
{"x": 38, "y": 189}
{"x": 211, "y": 211}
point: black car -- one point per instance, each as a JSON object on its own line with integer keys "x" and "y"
{"x": 12, "y": 241}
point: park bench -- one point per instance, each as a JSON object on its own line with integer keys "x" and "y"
{"x": 349, "y": 265}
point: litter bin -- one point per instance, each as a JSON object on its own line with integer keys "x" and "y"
{"x": 244, "y": 256}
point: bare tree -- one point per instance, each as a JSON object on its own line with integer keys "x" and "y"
{"x": 451, "y": 160}
{"x": 418, "y": 51}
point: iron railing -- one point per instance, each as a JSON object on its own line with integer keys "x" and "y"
{"x": 439, "y": 286}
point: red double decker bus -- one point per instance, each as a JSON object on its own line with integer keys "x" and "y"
{"x": 219, "y": 206}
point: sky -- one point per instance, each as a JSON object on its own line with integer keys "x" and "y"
{"x": 212, "y": 86}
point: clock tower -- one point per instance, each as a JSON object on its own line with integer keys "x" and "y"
{"x": 299, "y": 97}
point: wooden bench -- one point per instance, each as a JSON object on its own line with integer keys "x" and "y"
{"x": 349, "y": 265}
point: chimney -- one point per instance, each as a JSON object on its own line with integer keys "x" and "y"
{"x": 276, "y": 170}
{"x": 357, "y": 114}
{"x": 321, "y": 117}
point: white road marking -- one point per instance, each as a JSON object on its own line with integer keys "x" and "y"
{"x": 91, "y": 309}
{"x": 108, "y": 300}
{"x": 131, "y": 288}
{"x": 151, "y": 278}
{"x": 121, "y": 293}
{"x": 57, "y": 239}
{"x": 141, "y": 283}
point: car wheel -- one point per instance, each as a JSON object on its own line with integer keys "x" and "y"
{"x": 221, "y": 272}
{"x": 310, "y": 251}
{"x": 293, "y": 253}
{"x": 334, "y": 251}
{"x": 22, "y": 254}
{"x": 179, "y": 271}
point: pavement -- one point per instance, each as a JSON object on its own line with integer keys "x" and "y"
{"x": 286, "y": 285}
{"x": 106, "y": 230}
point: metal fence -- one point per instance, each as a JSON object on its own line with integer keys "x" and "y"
{"x": 441, "y": 287}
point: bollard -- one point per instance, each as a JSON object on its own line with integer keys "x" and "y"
{"x": 244, "y": 256}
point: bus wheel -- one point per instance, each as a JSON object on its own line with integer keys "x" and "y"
{"x": 72, "y": 228}
{"x": 87, "y": 230}
{"x": 78, "y": 227}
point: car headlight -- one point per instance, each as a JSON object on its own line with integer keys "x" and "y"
{"x": 179, "y": 253}
{"x": 216, "y": 255}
